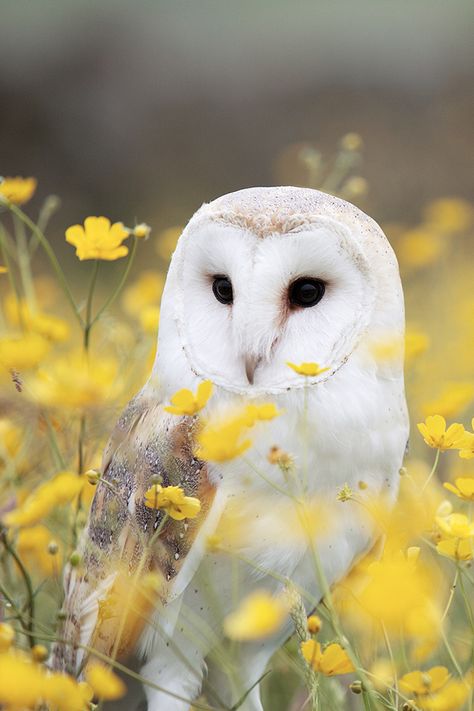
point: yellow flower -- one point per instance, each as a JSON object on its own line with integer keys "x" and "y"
{"x": 421, "y": 683}
{"x": 98, "y": 239}
{"x": 21, "y": 681}
{"x": 144, "y": 292}
{"x": 308, "y": 369}
{"x": 314, "y": 624}
{"x": 63, "y": 693}
{"x": 260, "y": 413}
{"x": 32, "y": 545}
{"x": 22, "y": 352}
{"x": 3, "y": 270}
{"x": 258, "y": 615}
{"x": 104, "y": 682}
{"x": 184, "y": 402}
{"x": 416, "y": 343}
{"x": 60, "y": 490}
{"x": 172, "y": 500}
{"x": 455, "y": 525}
{"x": 7, "y": 635}
{"x": 420, "y": 246}
{"x": 167, "y": 240}
{"x": 51, "y": 327}
{"x": 39, "y": 653}
{"x": 10, "y": 438}
{"x": 456, "y": 548}
{"x": 453, "y": 398}
{"x": 449, "y": 214}
{"x": 331, "y": 661}
{"x": 141, "y": 231}
{"x": 220, "y": 442}
{"x": 435, "y": 434}
{"x": 466, "y": 445}
{"x": 75, "y": 382}
{"x": 450, "y": 698}
{"x": 150, "y": 319}
{"x": 463, "y": 488}
{"x": 18, "y": 190}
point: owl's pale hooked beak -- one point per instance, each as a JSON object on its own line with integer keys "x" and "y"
{"x": 251, "y": 363}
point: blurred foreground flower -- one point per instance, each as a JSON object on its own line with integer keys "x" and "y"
{"x": 49, "y": 326}
{"x": 435, "y": 434}
{"x": 98, "y": 239}
{"x": 184, "y": 402}
{"x": 463, "y": 488}
{"x": 60, "y": 490}
{"x": 330, "y": 661}
{"x": 259, "y": 615}
{"x": 172, "y": 499}
{"x": 309, "y": 369}
{"x": 17, "y": 190}
{"x": 105, "y": 684}
{"x": 434, "y": 690}
{"x": 22, "y": 352}
{"x": 466, "y": 446}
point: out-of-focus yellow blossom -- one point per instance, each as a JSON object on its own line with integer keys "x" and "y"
{"x": 60, "y": 490}
{"x": 21, "y": 681}
{"x": 98, "y": 239}
{"x": 22, "y": 352}
{"x": 453, "y": 399}
{"x": 185, "y": 402}
{"x": 18, "y": 190}
{"x": 39, "y": 653}
{"x": 435, "y": 434}
{"x": 427, "y": 682}
{"x": 51, "y": 327}
{"x": 104, "y": 682}
{"x": 173, "y": 500}
{"x": 314, "y": 624}
{"x": 463, "y": 487}
{"x": 166, "y": 242}
{"x": 10, "y": 438}
{"x": 466, "y": 446}
{"x": 417, "y": 342}
{"x": 260, "y": 413}
{"x": 330, "y": 661}
{"x": 308, "y": 369}
{"x": 7, "y": 636}
{"x": 387, "y": 347}
{"x": 222, "y": 441}
{"x": 449, "y": 215}
{"x": 63, "y": 693}
{"x": 382, "y": 674}
{"x": 150, "y": 319}
{"x": 258, "y": 615}
{"x": 72, "y": 381}
{"x": 278, "y": 456}
{"x": 3, "y": 270}
{"x": 455, "y": 525}
{"x": 144, "y": 292}
{"x": 456, "y": 548}
{"x": 351, "y": 142}
{"x": 424, "y": 625}
{"x": 450, "y": 698}
{"x": 33, "y": 547}
{"x": 419, "y": 247}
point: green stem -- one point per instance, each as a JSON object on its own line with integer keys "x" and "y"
{"x": 28, "y": 585}
{"x": 51, "y": 256}
{"x": 431, "y": 474}
{"x": 90, "y": 296}
{"x": 24, "y": 263}
{"x": 10, "y": 273}
{"x": 120, "y": 285}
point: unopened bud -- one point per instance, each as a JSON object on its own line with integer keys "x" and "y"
{"x": 142, "y": 231}
{"x": 74, "y": 559}
{"x": 39, "y": 653}
{"x": 93, "y": 476}
{"x": 156, "y": 479}
{"x": 351, "y": 142}
{"x": 53, "y": 548}
{"x": 314, "y": 624}
{"x": 356, "y": 687}
{"x": 410, "y": 706}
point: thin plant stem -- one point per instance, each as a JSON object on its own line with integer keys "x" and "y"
{"x": 28, "y": 585}
{"x": 119, "y": 286}
{"x": 433, "y": 469}
{"x": 24, "y": 263}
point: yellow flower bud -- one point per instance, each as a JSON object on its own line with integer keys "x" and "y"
{"x": 93, "y": 476}
{"x": 314, "y": 624}
{"x": 351, "y": 142}
{"x": 7, "y": 635}
{"x": 39, "y": 653}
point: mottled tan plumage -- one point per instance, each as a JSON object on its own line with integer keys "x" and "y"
{"x": 115, "y": 549}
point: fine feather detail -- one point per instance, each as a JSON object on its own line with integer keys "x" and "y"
{"x": 108, "y": 597}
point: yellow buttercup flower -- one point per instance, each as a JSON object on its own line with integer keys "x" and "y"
{"x": 463, "y": 488}
{"x": 7, "y": 635}
{"x": 258, "y": 615}
{"x": 104, "y": 682}
{"x": 150, "y": 319}
{"x": 63, "y": 693}
{"x": 456, "y": 548}
{"x": 22, "y": 352}
{"x": 449, "y": 214}
{"x": 21, "y": 681}
{"x": 455, "y": 525}
{"x": 145, "y": 291}
{"x": 173, "y": 500}
{"x": 435, "y": 434}
{"x": 3, "y": 270}
{"x": 260, "y": 413}
{"x": 308, "y": 369}
{"x": 466, "y": 445}
{"x": 49, "y": 326}
{"x": 10, "y": 438}
{"x": 314, "y": 624}
{"x": 427, "y": 682}
{"x": 453, "y": 399}
{"x": 416, "y": 343}
{"x": 98, "y": 239}
{"x": 330, "y": 661}
{"x": 420, "y": 247}
{"x": 220, "y": 442}
{"x": 18, "y": 190}
{"x": 60, "y": 490}
{"x": 185, "y": 402}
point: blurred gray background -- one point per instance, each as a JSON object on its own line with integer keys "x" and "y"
{"x": 148, "y": 109}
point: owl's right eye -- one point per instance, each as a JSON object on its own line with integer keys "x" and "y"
{"x": 222, "y": 288}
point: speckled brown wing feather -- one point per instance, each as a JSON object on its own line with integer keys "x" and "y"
{"x": 116, "y": 555}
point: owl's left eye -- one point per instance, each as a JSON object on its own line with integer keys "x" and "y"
{"x": 222, "y": 288}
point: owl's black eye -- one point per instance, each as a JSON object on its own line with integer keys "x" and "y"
{"x": 306, "y": 292}
{"x": 222, "y": 288}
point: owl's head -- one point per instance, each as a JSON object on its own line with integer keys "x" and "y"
{"x": 268, "y": 275}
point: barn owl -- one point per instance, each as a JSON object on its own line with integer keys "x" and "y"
{"x": 260, "y": 277}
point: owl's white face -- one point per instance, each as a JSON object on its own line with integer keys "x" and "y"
{"x": 245, "y": 305}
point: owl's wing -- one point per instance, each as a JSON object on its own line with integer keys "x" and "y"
{"x": 111, "y": 592}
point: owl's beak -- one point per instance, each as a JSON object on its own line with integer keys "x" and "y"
{"x": 251, "y": 364}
